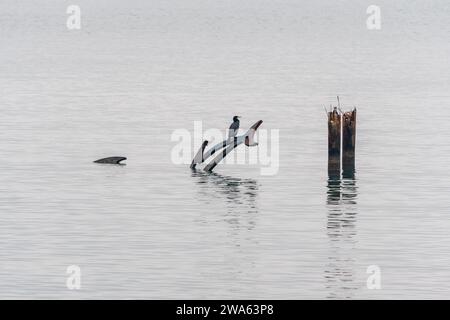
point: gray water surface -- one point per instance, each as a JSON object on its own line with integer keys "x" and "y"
{"x": 138, "y": 70}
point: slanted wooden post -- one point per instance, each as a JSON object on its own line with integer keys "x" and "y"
{"x": 334, "y": 142}
{"x": 348, "y": 142}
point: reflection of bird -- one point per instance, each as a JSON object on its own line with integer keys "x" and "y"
{"x": 232, "y": 131}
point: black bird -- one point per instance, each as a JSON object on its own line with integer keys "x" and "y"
{"x": 232, "y": 131}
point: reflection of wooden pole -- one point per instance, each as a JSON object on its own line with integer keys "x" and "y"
{"x": 348, "y": 141}
{"x": 334, "y": 143}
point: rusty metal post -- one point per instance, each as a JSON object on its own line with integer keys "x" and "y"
{"x": 334, "y": 143}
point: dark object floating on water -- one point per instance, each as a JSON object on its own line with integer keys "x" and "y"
{"x": 111, "y": 160}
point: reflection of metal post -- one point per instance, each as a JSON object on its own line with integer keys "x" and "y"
{"x": 334, "y": 143}
{"x": 348, "y": 142}
{"x": 227, "y": 146}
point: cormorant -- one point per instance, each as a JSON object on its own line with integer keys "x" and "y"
{"x": 233, "y": 130}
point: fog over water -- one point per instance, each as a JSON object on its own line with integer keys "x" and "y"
{"x": 137, "y": 71}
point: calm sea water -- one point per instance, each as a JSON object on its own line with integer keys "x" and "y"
{"x": 138, "y": 70}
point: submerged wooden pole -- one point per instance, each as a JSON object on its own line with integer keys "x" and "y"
{"x": 348, "y": 142}
{"x": 334, "y": 143}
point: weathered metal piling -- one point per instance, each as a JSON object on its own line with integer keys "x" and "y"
{"x": 334, "y": 142}
{"x": 348, "y": 142}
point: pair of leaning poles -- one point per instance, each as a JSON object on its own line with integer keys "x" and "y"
{"x": 227, "y": 146}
